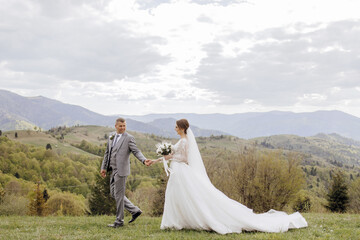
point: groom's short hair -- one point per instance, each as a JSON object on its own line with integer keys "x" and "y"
{"x": 120, "y": 120}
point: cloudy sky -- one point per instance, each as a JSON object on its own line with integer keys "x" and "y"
{"x": 194, "y": 56}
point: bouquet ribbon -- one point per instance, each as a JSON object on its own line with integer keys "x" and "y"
{"x": 166, "y": 167}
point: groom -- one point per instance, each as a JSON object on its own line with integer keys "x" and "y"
{"x": 117, "y": 160}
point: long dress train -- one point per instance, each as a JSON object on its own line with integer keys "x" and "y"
{"x": 192, "y": 202}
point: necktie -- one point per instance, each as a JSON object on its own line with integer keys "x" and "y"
{"x": 115, "y": 140}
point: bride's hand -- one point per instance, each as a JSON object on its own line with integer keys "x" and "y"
{"x": 155, "y": 160}
{"x": 167, "y": 157}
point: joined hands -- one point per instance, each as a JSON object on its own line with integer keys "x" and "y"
{"x": 149, "y": 162}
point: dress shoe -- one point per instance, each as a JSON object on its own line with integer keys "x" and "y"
{"x": 116, "y": 225}
{"x": 135, "y": 216}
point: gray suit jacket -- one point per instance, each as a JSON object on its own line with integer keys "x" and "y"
{"x": 125, "y": 145}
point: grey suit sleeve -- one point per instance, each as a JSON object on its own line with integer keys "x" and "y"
{"x": 134, "y": 149}
{"x": 106, "y": 155}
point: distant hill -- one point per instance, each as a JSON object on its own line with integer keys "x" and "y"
{"x": 338, "y": 138}
{"x": 251, "y": 125}
{"x": 43, "y": 112}
{"x": 168, "y": 126}
{"x": 330, "y": 149}
{"x": 18, "y": 112}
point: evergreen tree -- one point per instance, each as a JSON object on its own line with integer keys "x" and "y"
{"x": 16, "y": 135}
{"x": 100, "y": 201}
{"x": 45, "y": 195}
{"x": 159, "y": 200}
{"x": 37, "y": 203}
{"x": 313, "y": 171}
{"x": 338, "y": 197}
{"x": 0, "y": 132}
{"x": 48, "y": 146}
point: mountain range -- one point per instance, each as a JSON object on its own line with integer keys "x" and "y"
{"x": 257, "y": 124}
{"x": 18, "y": 112}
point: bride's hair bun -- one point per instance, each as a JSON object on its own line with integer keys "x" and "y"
{"x": 183, "y": 124}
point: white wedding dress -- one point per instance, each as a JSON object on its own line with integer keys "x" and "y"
{"x": 192, "y": 202}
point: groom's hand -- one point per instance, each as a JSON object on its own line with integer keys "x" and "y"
{"x": 148, "y": 162}
{"x": 103, "y": 173}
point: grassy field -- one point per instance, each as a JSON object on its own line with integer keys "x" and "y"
{"x": 321, "y": 226}
{"x": 40, "y": 139}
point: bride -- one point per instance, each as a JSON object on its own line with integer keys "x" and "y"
{"x": 192, "y": 202}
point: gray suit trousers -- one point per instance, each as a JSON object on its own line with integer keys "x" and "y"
{"x": 117, "y": 191}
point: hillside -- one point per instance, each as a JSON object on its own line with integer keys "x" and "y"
{"x": 319, "y": 158}
{"x": 328, "y": 149}
{"x": 41, "y": 139}
{"x": 57, "y": 169}
{"x": 338, "y": 138}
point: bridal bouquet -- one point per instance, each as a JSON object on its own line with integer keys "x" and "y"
{"x": 163, "y": 148}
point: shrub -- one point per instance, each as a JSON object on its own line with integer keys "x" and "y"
{"x": 13, "y": 187}
{"x": 14, "y": 205}
{"x": 144, "y": 197}
{"x": 302, "y": 202}
{"x": 65, "y": 203}
{"x": 354, "y": 196}
{"x": 260, "y": 180}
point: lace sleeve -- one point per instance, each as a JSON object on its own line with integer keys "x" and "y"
{"x": 181, "y": 151}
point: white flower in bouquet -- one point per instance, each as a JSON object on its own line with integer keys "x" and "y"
{"x": 164, "y": 148}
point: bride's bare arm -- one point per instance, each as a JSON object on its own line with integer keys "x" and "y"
{"x": 159, "y": 159}
{"x": 167, "y": 157}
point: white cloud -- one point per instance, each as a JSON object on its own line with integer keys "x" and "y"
{"x": 280, "y": 71}
{"x": 313, "y": 97}
{"x": 70, "y": 42}
{"x": 187, "y": 56}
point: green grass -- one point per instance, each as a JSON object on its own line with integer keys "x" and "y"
{"x": 321, "y": 226}
{"x": 40, "y": 139}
